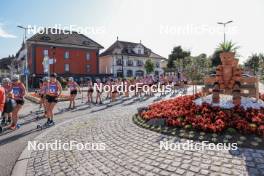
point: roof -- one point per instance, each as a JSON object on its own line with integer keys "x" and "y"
{"x": 22, "y": 48}
{"x": 52, "y": 35}
{"x": 127, "y": 49}
{"x": 4, "y": 62}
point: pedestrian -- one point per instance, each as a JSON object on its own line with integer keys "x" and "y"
{"x": 19, "y": 92}
{"x": 74, "y": 89}
{"x": 53, "y": 92}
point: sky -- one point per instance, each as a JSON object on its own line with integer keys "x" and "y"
{"x": 158, "y": 24}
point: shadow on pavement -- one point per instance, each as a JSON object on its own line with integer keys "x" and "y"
{"x": 15, "y": 137}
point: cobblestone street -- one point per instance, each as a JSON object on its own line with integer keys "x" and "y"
{"x": 131, "y": 150}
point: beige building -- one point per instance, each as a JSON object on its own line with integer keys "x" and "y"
{"x": 128, "y": 59}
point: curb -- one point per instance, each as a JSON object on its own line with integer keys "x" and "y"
{"x": 20, "y": 167}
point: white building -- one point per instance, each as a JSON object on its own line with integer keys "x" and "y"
{"x": 128, "y": 59}
{"x": 6, "y": 67}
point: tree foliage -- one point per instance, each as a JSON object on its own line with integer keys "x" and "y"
{"x": 149, "y": 66}
{"x": 177, "y": 54}
{"x": 255, "y": 62}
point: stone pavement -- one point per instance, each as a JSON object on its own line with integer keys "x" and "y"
{"x": 131, "y": 150}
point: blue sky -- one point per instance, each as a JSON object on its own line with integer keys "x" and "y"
{"x": 159, "y": 24}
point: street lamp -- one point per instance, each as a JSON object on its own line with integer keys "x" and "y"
{"x": 224, "y": 24}
{"x": 26, "y": 60}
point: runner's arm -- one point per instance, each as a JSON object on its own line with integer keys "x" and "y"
{"x": 24, "y": 91}
{"x": 59, "y": 89}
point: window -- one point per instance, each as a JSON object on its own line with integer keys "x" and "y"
{"x": 66, "y": 67}
{"x": 129, "y": 73}
{"x": 45, "y": 52}
{"x": 157, "y": 64}
{"x": 129, "y": 63}
{"x": 139, "y": 73}
{"x": 119, "y": 62}
{"x": 139, "y": 51}
{"x": 66, "y": 55}
{"x": 88, "y": 68}
{"x": 119, "y": 73}
{"x": 140, "y": 63}
{"x": 87, "y": 56}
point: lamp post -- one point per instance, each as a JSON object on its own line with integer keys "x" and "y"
{"x": 224, "y": 24}
{"x": 26, "y": 60}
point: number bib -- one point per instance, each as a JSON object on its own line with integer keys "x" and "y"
{"x": 53, "y": 89}
{"x": 16, "y": 91}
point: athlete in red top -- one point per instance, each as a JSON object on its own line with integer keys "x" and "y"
{"x": 54, "y": 90}
{"x": 2, "y": 99}
{"x": 9, "y": 104}
{"x": 42, "y": 93}
{"x": 19, "y": 92}
{"x": 74, "y": 88}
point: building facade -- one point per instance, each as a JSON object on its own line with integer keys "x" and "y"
{"x": 127, "y": 59}
{"x": 70, "y": 54}
{"x": 7, "y": 67}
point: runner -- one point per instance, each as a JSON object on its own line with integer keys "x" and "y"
{"x": 114, "y": 91}
{"x": 19, "y": 92}
{"x": 108, "y": 83}
{"x": 74, "y": 88}
{"x": 42, "y": 93}
{"x": 9, "y": 104}
{"x": 150, "y": 84}
{"x": 2, "y": 99}
{"x": 90, "y": 92}
{"x": 54, "y": 90}
{"x": 98, "y": 92}
{"x": 175, "y": 82}
{"x": 126, "y": 86}
{"x": 162, "y": 85}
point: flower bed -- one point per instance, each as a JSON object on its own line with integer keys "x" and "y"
{"x": 184, "y": 113}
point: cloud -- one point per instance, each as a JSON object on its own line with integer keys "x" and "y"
{"x": 4, "y": 34}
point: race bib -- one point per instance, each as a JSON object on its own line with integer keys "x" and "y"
{"x": 52, "y": 89}
{"x": 16, "y": 91}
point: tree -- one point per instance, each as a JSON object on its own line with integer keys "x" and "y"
{"x": 149, "y": 66}
{"x": 255, "y": 62}
{"x": 198, "y": 67}
{"x": 215, "y": 58}
{"x": 177, "y": 54}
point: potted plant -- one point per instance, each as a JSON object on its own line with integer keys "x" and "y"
{"x": 227, "y": 51}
